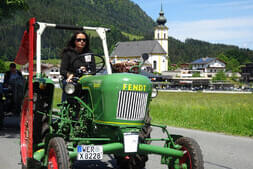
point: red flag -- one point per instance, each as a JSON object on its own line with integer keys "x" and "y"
{"x": 23, "y": 52}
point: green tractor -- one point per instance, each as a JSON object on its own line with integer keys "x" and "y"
{"x": 103, "y": 114}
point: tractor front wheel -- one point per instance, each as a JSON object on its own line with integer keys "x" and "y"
{"x": 57, "y": 154}
{"x": 192, "y": 156}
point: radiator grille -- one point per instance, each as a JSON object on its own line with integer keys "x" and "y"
{"x": 131, "y": 105}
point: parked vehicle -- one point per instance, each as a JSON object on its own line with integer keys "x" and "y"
{"x": 9, "y": 105}
{"x": 103, "y": 114}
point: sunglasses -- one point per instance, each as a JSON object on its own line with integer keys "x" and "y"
{"x": 79, "y": 40}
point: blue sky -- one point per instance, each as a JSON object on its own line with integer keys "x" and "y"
{"x": 216, "y": 21}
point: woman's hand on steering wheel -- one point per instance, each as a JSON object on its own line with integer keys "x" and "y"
{"x": 83, "y": 69}
{"x": 69, "y": 79}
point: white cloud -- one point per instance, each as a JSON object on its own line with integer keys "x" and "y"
{"x": 236, "y": 31}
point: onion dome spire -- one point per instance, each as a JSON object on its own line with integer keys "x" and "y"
{"x": 161, "y": 20}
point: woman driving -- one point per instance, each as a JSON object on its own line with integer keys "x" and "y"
{"x": 72, "y": 56}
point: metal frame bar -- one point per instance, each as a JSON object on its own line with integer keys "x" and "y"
{"x": 100, "y": 31}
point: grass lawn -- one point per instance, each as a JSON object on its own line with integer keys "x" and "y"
{"x": 228, "y": 113}
{"x": 57, "y": 97}
{"x": 132, "y": 37}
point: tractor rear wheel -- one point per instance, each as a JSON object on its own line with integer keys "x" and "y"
{"x": 57, "y": 154}
{"x": 193, "y": 156}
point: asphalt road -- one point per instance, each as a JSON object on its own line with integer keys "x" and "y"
{"x": 220, "y": 151}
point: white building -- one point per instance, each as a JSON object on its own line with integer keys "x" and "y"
{"x": 208, "y": 66}
{"x": 157, "y": 48}
{"x": 49, "y": 70}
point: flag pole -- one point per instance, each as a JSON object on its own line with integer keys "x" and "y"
{"x": 30, "y": 87}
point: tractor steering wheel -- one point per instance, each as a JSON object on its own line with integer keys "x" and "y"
{"x": 100, "y": 63}
{"x": 89, "y": 59}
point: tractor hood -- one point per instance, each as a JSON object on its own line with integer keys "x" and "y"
{"x": 119, "y": 98}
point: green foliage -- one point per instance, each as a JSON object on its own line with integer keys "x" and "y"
{"x": 191, "y": 50}
{"x": 57, "y": 97}
{"x": 227, "y": 113}
{"x": 171, "y": 66}
{"x": 119, "y": 16}
{"x": 232, "y": 64}
{"x": 9, "y": 7}
{"x": 196, "y": 74}
{"x": 220, "y": 76}
{"x": 157, "y": 73}
{"x": 3, "y": 67}
{"x": 132, "y": 37}
{"x": 223, "y": 57}
{"x": 52, "y": 61}
{"x": 125, "y": 19}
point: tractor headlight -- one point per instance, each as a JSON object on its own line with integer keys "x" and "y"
{"x": 70, "y": 88}
{"x": 154, "y": 92}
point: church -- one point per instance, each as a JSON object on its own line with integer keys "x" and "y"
{"x": 157, "y": 48}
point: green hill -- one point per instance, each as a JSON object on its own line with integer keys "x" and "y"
{"x": 126, "y": 20}
{"x": 118, "y": 15}
{"x": 191, "y": 49}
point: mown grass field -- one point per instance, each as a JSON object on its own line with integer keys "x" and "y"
{"x": 226, "y": 113}
{"x": 132, "y": 37}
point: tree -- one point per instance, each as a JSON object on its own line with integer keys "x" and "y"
{"x": 9, "y": 7}
{"x": 232, "y": 64}
{"x": 220, "y": 76}
{"x": 169, "y": 65}
{"x": 196, "y": 74}
{"x": 223, "y": 57}
{"x": 3, "y": 67}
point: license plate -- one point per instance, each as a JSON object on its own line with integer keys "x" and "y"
{"x": 89, "y": 152}
{"x": 131, "y": 141}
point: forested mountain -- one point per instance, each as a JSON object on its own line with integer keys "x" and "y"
{"x": 191, "y": 49}
{"x": 119, "y": 15}
{"x": 123, "y": 17}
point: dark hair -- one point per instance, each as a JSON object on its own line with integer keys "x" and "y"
{"x": 12, "y": 65}
{"x": 71, "y": 43}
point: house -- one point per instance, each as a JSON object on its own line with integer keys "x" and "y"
{"x": 49, "y": 70}
{"x": 208, "y": 66}
{"x": 157, "y": 48}
{"x": 185, "y": 66}
{"x": 247, "y": 73}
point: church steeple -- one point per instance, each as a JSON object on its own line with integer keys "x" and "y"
{"x": 160, "y": 61}
{"x": 161, "y": 20}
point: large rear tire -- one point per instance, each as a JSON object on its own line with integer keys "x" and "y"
{"x": 57, "y": 154}
{"x": 193, "y": 156}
